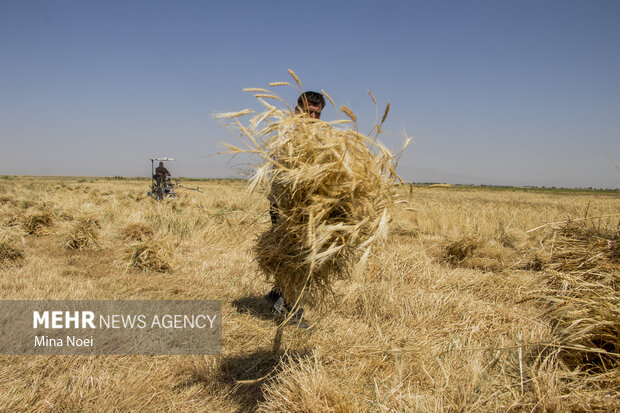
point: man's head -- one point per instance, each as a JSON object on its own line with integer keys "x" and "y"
{"x": 312, "y": 103}
{"x": 161, "y": 164}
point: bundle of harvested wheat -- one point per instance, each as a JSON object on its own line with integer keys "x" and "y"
{"x": 582, "y": 294}
{"x": 332, "y": 185}
{"x": 477, "y": 253}
{"x": 36, "y": 223}
{"x": 586, "y": 250}
{"x": 155, "y": 254}
{"x": 84, "y": 234}
{"x": 11, "y": 249}
{"x": 137, "y": 231}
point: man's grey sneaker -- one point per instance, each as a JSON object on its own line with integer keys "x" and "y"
{"x": 279, "y": 305}
{"x": 299, "y": 322}
{"x": 297, "y": 318}
{"x": 277, "y": 301}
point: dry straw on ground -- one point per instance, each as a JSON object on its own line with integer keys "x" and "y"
{"x": 304, "y": 386}
{"x": 410, "y": 334}
{"x": 332, "y": 185}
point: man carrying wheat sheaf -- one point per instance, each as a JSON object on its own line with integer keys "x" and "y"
{"x": 311, "y": 103}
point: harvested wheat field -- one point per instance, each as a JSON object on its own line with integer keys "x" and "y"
{"x": 463, "y": 308}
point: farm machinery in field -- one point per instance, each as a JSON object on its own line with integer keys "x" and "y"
{"x": 161, "y": 183}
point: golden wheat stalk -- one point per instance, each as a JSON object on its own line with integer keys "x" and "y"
{"x": 294, "y": 76}
{"x": 387, "y": 110}
{"x": 255, "y": 89}
{"x": 372, "y": 96}
{"x": 230, "y": 115}
{"x": 349, "y": 113}
{"x": 328, "y": 98}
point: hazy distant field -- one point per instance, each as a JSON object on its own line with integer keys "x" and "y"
{"x": 438, "y": 322}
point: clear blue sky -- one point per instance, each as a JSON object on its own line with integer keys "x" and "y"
{"x": 493, "y": 92}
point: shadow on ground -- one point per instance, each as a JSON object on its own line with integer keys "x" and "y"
{"x": 242, "y": 377}
{"x": 256, "y": 306}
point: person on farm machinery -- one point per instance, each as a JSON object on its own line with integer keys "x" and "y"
{"x": 311, "y": 103}
{"x": 161, "y": 174}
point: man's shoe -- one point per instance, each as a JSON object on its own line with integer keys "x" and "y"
{"x": 300, "y": 323}
{"x": 297, "y": 318}
{"x": 276, "y": 300}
